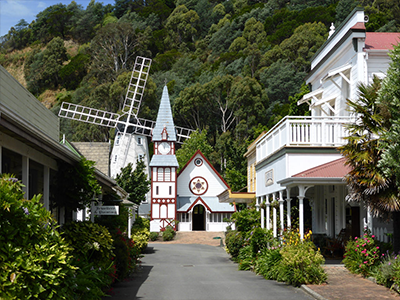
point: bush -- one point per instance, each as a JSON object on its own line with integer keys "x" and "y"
{"x": 246, "y": 219}
{"x": 234, "y": 241}
{"x": 260, "y": 238}
{"x": 267, "y": 263}
{"x": 154, "y": 236}
{"x": 35, "y": 261}
{"x": 245, "y": 258}
{"x": 168, "y": 234}
{"x": 301, "y": 264}
{"x": 362, "y": 255}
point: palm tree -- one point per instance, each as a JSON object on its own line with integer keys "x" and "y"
{"x": 367, "y": 181}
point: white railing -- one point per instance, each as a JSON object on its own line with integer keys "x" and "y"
{"x": 303, "y": 131}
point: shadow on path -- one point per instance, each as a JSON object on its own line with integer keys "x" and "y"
{"x": 128, "y": 288}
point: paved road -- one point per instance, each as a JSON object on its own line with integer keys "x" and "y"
{"x": 197, "y": 272}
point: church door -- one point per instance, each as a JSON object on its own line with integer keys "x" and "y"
{"x": 199, "y": 217}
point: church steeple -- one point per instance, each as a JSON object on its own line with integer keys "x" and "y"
{"x": 164, "y": 122}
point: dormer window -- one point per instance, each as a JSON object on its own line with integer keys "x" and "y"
{"x": 164, "y": 134}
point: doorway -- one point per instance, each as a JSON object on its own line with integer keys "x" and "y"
{"x": 199, "y": 217}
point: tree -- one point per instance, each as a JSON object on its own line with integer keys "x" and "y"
{"x": 366, "y": 180}
{"x": 135, "y": 182}
{"x": 198, "y": 141}
{"x": 389, "y": 97}
{"x": 113, "y": 49}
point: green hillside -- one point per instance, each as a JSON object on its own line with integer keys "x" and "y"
{"x": 234, "y": 68}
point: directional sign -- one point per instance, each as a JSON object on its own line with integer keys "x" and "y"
{"x": 106, "y": 210}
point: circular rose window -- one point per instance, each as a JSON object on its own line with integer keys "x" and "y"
{"x": 198, "y": 186}
{"x": 198, "y": 162}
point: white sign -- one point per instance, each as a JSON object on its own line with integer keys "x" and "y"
{"x": 106, "y": 210}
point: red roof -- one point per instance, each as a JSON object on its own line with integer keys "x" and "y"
{"x": 333, "y": 169}
{"x": 381, "y": 40}
{"x": 359, "y": 25}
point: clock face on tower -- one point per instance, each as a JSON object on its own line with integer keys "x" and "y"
{"x": 164, "y": 148}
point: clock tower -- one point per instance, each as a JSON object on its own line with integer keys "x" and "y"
{"x": 163, "y": 167}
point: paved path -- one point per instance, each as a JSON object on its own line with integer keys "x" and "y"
{"x": 198, "y": 272}
{"x": 344, "y": 285}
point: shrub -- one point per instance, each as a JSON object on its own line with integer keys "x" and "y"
{"x": 154, "y": 236}
{"x": 260, "y": 238}
{"x": 246, "y": 219}
{"x": 267, "y": 263}
{"x": 245, "y": 258}
{"x": 168, "y": 234}
{"x": 362, "y": 255}
{"x": 301, "y": 264}
{"x": 141, "y": 238}
{"x": 385, "y": 274}
{"x": 234, "y": 242}
{"x": 35, "y": 261}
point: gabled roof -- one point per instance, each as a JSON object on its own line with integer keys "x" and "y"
{"x": 164, "y": 161}
{"x": 381, "y": 40}
{"x": 164, "y": 119}
{"x": 208, "y": 163}
{"x": 333, "y": 169}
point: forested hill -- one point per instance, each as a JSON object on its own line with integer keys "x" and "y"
{"x": 232, "y": 67}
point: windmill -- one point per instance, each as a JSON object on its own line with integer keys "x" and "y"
{"x": 130, "y": 142}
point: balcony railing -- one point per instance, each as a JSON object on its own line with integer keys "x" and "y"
{"x": 303, "y": 131}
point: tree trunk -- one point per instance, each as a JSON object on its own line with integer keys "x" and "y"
{"x": 396, "y": 231}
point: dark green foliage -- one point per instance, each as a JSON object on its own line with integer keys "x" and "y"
{"x": 35, "y": 261}
{"x": 89, "y": 240}
{"x": 246, "y": 219}
{"x": 154, "y": 236}
{"x": 234, "y": 241}
{"x": 134, "y": 182}
{"x": 75, "y": 186}
{"x": 168, "y": 234}
{"x": 268, "y": 262}
{"x": 260, "y": 239}
{"x": 72, "y": 74}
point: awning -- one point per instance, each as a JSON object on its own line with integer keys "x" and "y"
{"x": 235, "y": 197}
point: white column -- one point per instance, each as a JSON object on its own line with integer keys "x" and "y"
{"x": 301, "y": 216}
{"x": 288, "y": 208}
{"x": 262, "y": 213}
{"x": 369, "y": 220}
{"x": 274, "y": 216}
{"x": 268, "y": 212}
{"x": 130, "y": 215}
{"x": 258, "y": 200}
{"x": 281, "y": 211}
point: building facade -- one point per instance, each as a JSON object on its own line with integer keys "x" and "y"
{"x": 297, "y": 161}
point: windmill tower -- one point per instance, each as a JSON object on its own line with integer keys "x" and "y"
{"x": 130, "y": 142}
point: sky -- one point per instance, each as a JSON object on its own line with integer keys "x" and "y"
{"x": 12, "y": 11}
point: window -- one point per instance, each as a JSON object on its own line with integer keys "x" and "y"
{"x": 115, "y": 158}
{"x": 140, "y": 156}
{"x": 170, "y": 190}
{"x": 184, "y": 217}
{"x": 167, "y": 174}
{"x": 117, "y": 140}
{"x": 156, "y": 190}
{"x": 139, "y": 141}
{"x": 160, "y": 174}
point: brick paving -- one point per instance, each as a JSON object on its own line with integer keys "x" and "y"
{"x": 344, "y": 285}
{"x": 195, "y": 237}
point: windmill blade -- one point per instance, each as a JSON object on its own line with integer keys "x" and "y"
{"x": 88, "y": 115}
{"x": 182, "y": 134}
{"x": 134, "y": 94}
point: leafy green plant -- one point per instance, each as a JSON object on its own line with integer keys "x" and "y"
{"x": 260, "y": 238}
{"x": 301, "y": 264}
{"x": 246, "y": 219}
{"x": 35, "y": 261}
{"x": 154, "y": 236}
{"x": 267, "y": 263}
{"x": 245, "y": 258}
{"x": 234, "y": 241}
{"x": 168, "y": 234}
{"x": 362, "y": 255}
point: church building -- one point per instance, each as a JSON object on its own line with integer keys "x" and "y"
{"x": 190, "y": 197}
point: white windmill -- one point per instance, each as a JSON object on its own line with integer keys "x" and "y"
{"x": 130, "y": 142}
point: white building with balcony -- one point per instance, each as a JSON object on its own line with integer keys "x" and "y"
{"x": 297, "y": 161}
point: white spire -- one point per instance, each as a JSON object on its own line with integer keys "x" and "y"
{"x": 332, "y": 30}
